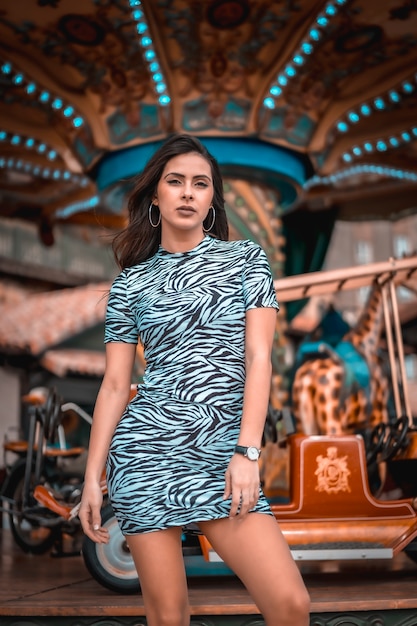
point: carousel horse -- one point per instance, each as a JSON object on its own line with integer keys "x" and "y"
{"x": 343, "y": 389}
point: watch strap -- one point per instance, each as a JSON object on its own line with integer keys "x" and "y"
{"x": 241, "y": 450}
{"x": 244, "y": 450}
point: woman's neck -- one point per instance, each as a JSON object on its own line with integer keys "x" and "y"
{"x": 181, "y": 242}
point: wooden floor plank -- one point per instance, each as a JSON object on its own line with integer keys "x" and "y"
{"x": 47, "y": 586}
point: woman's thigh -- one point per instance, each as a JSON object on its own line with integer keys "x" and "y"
{"x": 255, "y": 549}
{"x": 159, "y": 562}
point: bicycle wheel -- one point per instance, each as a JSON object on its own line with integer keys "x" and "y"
{"x": 26, "y": 525}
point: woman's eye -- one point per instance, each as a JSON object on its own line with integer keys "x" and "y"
{"x": 201, "y": 183}
{"x": 174, "y": 181}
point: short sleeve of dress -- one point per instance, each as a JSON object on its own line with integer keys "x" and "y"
{"x": 258, "y": 285}
{"x": 120, "y": 322}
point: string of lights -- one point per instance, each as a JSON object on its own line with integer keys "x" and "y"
{"x": 44, "y": 97}
{"x": 364, "y": 168}
{"x": 305, "y": 50}
{"x": 146, "y": 43}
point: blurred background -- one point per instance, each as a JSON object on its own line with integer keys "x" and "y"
{"x": 309, "y": 106}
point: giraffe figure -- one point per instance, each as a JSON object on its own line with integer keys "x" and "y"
{"x": 327, "y": 394}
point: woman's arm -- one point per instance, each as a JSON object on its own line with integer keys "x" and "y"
{"x": 242, "y": 476}
{"x": 259, "y": 337}
{"x": 112, "y": 399}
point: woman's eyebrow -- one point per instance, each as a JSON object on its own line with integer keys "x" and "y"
{"x": 183, "y": 175}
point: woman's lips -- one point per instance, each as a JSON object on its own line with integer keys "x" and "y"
{"x": 186, "y": 209}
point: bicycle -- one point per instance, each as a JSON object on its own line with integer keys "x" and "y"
{"x": 44, "y": 459}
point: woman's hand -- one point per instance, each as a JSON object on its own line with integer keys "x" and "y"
{"x": 242, "y": 485}
{"x": 90, "y": 513}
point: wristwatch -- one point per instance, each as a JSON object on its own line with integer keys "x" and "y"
{"x": 250, "y": 452}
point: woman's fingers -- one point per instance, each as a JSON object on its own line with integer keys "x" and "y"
{"x": 248, "y": 500}
{"x": 90, "y": 514}
{"x": 227, "y": 485}
{"x": 242, "y": 484}
{"x": 243, "y": 499}
{"x": 100, "y": 535}
{"x": 235, "y": 505}
{"x": 90, "y": 517}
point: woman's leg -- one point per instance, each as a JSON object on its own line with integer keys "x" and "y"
{"x": 159, "y": 562}
{"x": 255, "y": 549}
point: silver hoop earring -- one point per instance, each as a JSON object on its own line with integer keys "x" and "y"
{"x": 150, "y": 217}
{"x": 206, "y": 230}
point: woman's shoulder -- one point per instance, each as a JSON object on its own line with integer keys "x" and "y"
{"x": 240, "y": 246}
{"x": 132, "y": 273}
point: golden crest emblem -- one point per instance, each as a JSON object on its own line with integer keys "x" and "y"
{"x": 332, "y": 472}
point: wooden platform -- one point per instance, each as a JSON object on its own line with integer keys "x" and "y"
{"x": 45, "y": 590}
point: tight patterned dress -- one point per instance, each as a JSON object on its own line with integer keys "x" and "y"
{"x": 172, "y": 445}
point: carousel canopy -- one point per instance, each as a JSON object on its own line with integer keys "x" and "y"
{"x": 314, "y": 100}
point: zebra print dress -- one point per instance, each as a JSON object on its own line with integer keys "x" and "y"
{"x": 171, "y": 448}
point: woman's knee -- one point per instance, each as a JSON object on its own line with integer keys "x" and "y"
{"x": 166, "y": 605}
{"x": 160, "y": 614}
{"x": 290, "y": 610}
{"x": 300, "y": 604}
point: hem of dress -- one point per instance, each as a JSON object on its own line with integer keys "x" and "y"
{"x": 189, "y": 523}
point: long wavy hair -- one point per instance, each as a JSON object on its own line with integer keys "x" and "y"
{"x": 139, "y": 240}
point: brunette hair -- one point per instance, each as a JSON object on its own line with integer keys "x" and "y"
{"x": 139, "y": 240}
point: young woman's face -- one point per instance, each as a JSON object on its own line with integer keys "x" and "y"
{"x": 185, "y": 192}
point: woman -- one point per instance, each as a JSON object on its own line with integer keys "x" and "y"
{"x": 185, "y": 449}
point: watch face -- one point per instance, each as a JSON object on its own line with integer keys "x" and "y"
{"x": 253, "y": 453}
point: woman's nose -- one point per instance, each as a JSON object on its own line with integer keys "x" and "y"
{"x": 187, "y": 192}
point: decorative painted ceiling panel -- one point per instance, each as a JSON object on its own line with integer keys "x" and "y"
{"x": 331, "y": 85}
